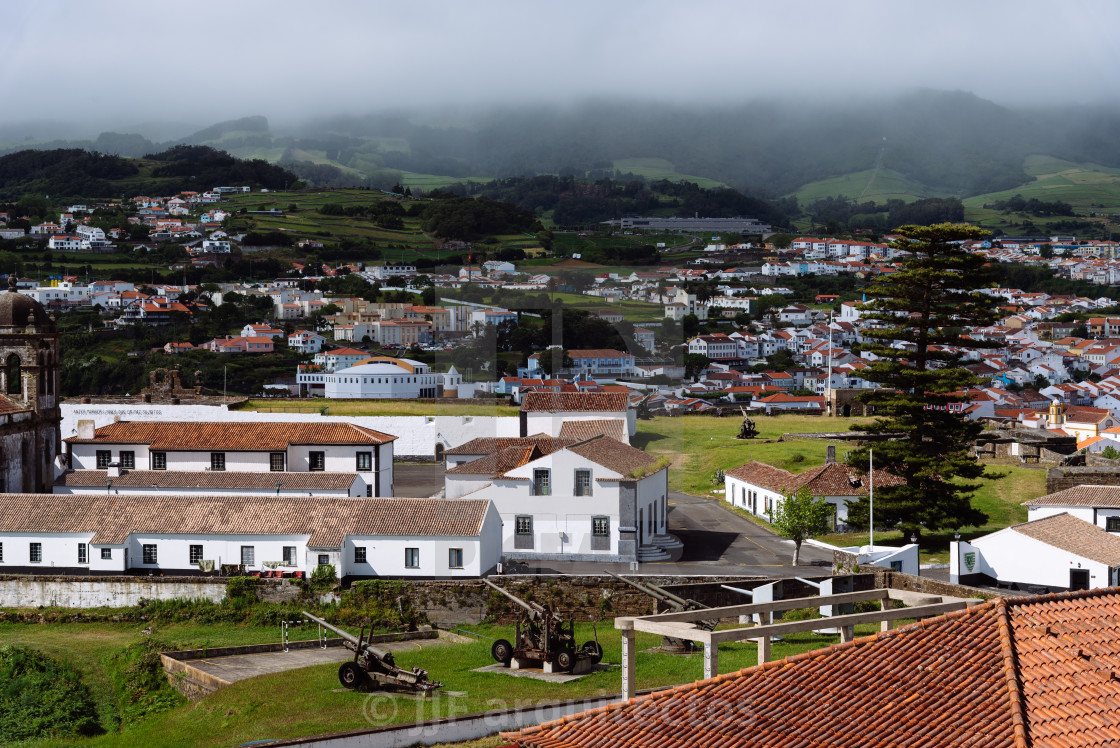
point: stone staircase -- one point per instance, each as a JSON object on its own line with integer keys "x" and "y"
{"x": 661, "y": 548}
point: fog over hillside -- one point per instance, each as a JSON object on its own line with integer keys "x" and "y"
{"x": 762, "y": 97}
{"x": 125, "y": 64}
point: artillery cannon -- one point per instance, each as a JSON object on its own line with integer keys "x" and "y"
{"x": 372, "y": 666}
{"x": 541, "y": 635}
{"x": 677, "y": 603}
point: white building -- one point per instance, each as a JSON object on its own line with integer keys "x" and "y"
{"x": 1057, "y": 552}
{"x": 267, "y": 447}
{"x": 215, "y": 246}
{"x": 168, "y": 534}
{"x": 597, "y": 499}
{"x": 760, "y": 488}
{"x": 549, "y": 412}
{"x": 381, "y": 378}
{"x": 305, "y": 341}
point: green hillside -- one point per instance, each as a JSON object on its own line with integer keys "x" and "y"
{"x": 660, "y": 168}
{"x": 875, "y": 185}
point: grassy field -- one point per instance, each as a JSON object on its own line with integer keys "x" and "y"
{"x": 378, "y": 407}
{"x": 700, "y": 445}
{"x": 309, "y": 701}
{"x": 865, "y": 186}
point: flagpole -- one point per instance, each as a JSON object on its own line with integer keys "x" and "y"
{"x": 871, "y": 492}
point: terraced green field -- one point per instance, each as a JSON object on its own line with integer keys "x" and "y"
{"x": 659, "y": 168}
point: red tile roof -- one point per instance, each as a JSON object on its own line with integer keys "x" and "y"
{"x": 1028, "y": 671}
{"x": 326, "y": 520}
{"x": 173, "y": 436}
{"x": 553, "y": 402}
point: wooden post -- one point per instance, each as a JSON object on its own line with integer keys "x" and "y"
{"x": 711, "y": 660}
{"x": 847, "y": 633}
{"x": 885, "y": 604}
{"x": 629, "y": 663}
{"x": 765, "y": 618}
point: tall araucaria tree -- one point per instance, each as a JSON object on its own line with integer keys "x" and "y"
{"x": 922, "y": 316}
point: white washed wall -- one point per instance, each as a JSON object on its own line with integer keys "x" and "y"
{"x": 416, "y": 435}
{"x": 59, "y": 550}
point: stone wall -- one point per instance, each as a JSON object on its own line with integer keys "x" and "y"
{"x": 1061, "y": 478}
{"x": 899, "y": 581}
{"x": 19, "y": 591}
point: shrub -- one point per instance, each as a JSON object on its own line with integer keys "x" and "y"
{"x": 138, "y": 678}
{"x": 41, "y": 697}
{"x": 323, "y": 579}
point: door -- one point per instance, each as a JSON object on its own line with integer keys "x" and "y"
{"x": 1078, "y": 579}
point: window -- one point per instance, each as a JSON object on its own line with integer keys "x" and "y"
{"x": 36, "y": 553}
{"x": 896, "y": 566}
{"x": 104, "y": 457}
{"x": 276, "y": 462}
{"x": 359, "y": 554}
{"x": 217, "y": 460}
{"x": 106, "y": 554}
{"x": 601, "y": 526}
{"x": 1, "y": 552}
{"x": 159, "y": 461}
{"x": 128, "y": 460}
{"x": 1112, "y": 524}
{"x": 317, "y": 460}
{"x": 150, "y": 554}
{"x": 324, "y": 559}
{"x": 523, "y": 532}
{"x": 364, "y": 461}
{"x": 412, "y": 558}
{"x": 583, "y": 483}
{"x": 369, "y": 490}
{"x": 289, "y": 555}
{"x": 248, "y": 555}
{"x": 83, "y": 553}
{"x": 455, "y": 558}
{"x": 542, "y": 483}
{"x": 195, "y": 554}
{"x": 15, "y": 378}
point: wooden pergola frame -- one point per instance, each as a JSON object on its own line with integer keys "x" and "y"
{"x": 681, "y": 624}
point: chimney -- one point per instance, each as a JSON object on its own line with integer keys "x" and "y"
{"x": 830, "y": 456}
{"x": 86, "y": 430}
{"x": 114, "y": 470}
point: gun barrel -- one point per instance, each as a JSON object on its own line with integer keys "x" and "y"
{"x": 650, "y": 589}
{"x": 674, "y": 598}
{"x": 531, "y": 607}
{"x": 378, "y": 653}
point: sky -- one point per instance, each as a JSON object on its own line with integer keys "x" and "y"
{"x": 204, "y": 61}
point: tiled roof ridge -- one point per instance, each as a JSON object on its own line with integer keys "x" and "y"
{"x": 772, "y": 664}
{"x": 1011, "y": 674}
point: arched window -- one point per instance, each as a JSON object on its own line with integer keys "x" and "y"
{"x": 15, "y": 376}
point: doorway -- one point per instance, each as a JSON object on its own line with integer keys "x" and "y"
{"x": 1078, "y": 579}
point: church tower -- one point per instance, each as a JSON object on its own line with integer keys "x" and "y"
{"x": 30, "y": 417}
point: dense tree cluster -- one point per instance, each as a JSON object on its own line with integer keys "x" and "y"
{"x": 469, "y": 218}
{"x": 62, "y": 172}
{"x": 1034, "y": 206}
{"x": 203, "y": 166}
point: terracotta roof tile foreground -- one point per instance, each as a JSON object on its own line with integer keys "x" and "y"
{"x": 326, "y": 520}
{"x": 1038, "y": 671}
{"x": 231, "y": 435}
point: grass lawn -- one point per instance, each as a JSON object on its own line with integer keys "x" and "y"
{"x": 378, "y": 407}
{"x": 699, "y": 445}
{"x": 309, "y": 701}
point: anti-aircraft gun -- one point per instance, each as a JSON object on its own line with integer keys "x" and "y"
{"x": 541, "y": 635}
{"x": 677, "y": 603}
{"x": 373, "y": 667}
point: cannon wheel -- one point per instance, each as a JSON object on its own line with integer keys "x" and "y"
{"x": 566, "y": 659}
{"x": 502, "y": 651}
{"x": 352, "y": 676}
{"x": 596, "y": 652}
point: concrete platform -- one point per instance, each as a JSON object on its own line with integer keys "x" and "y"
{"x": 536, "y": 674}
{"x": 233, "y": 668}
